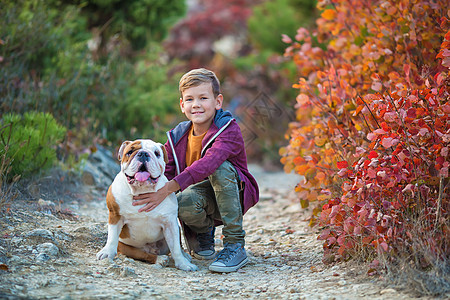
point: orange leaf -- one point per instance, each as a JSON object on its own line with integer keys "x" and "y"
{"x": 329, "y": 14}
{"x": 320, "y": 176}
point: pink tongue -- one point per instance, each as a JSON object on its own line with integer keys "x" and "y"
{"x": 142, "y": 176}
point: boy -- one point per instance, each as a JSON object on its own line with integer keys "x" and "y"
{"x": 208, "y": 165}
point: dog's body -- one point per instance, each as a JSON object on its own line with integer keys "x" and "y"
{"x": 147, "y": 236}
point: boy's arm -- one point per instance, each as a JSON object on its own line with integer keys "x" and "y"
{"x": 152, "y": 200}
{"x": 170, "y": 171}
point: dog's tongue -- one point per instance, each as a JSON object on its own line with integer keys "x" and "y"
{"x": 142, "y": 176}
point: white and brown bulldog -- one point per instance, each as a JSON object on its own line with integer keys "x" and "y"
{"x": 147, "y": 236}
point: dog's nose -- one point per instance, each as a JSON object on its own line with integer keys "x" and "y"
{"x": 144, "y": 156}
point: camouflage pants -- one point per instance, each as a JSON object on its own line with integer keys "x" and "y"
{"x": 217, "y": 198}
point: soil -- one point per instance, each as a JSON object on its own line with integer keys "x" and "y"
{"x": 53, "y": 230}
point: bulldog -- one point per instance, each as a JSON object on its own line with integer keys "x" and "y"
{"x": 147, "y": 236}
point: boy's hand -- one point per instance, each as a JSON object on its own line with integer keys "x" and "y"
{"x": 152, "y": 200}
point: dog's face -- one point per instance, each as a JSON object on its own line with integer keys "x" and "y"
{"x": 142, "y": 161}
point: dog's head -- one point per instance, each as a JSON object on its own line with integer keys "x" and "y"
{"x": 142, "y": 161}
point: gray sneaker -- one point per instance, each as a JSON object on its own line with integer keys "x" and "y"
{"x": 205, "y": 248}
{"x": 230, "y": 259}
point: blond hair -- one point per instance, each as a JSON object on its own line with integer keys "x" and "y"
{"x": 196, "y": 77}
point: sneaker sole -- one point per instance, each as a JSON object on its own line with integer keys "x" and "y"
{"x": 220, "y": 269}
{"x": 204, "y": 257}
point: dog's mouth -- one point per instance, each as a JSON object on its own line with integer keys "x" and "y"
{"x": 142, "y": 176}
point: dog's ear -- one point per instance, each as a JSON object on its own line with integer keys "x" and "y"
{"x": 166, "y": 158}
{"x": 121, "y": 149}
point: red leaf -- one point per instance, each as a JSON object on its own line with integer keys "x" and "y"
{"x": 373, "y": 154}
{"x": 385, "y": 127}
{"x": 367, "y": 240}
{"x": 384, "y": 246}
{"x": 411, "y": 113}
{"x": 342, "y": 164}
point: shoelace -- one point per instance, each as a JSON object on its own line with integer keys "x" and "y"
{"x": 226, "y": 254}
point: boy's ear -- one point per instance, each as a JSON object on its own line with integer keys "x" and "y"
{"x": 182, "y": 105}
{"x": 219, "y": 101}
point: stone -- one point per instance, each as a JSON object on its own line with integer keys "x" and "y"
{"x": 44, "y": 233}
{"x": 48, "y": 248}
{"x": 388, "y": 291}
{"x": 127, "y": 271}
{"x": 42, "y": 257}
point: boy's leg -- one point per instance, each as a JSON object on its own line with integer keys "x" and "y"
{"x": 225, "y": 183}
{"x": 196, "y": 207}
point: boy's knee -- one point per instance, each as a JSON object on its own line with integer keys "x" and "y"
{"x": 188, "y": 201}
{"x": 224, "y": 175}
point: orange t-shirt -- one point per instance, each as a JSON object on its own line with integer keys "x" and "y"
{"x": 194, "y": 147}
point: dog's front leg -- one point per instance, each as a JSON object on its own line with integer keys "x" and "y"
{"x": 110, "y": 249}
{"x": 172, "y": 236}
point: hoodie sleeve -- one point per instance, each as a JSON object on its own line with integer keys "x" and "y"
{"x": 170, "y": 171}
{"x": 228, "y": 144}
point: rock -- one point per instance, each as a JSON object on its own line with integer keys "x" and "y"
{"x": 44, "y": 233}
{"x": 387, "y": 291}
{"x": 48, "y": 248}
{"x": 16, "y": 240}
{"x": 42, "y": 257}
{"x": 127, "y": 271}
{"x": 45, "y": 204}
{"x": 254, "y": 239}
{"x": 100, "y": 168}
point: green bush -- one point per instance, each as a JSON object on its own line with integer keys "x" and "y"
{"x": 139, "y": 21}
{"x": 98, "y": 94}
{"x": 29, "y": 142}
{"x": 152, "y": 101}
{"x": 271, "y": 19}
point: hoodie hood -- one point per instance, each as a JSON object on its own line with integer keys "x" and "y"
{"x": 221, "y": 119}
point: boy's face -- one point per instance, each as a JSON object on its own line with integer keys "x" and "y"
{"x": 199, "y": 105}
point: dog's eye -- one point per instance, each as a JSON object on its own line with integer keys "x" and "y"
{"x": 157, "y": 153}
{"x": 129, "y": 153}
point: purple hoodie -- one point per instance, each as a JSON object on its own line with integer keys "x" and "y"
{"x": 222, "y": 142}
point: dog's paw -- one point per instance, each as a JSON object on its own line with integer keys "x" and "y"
{"x": 185, "y": 265}
{"x": 188, "y": 257}
{"x": 162, "y": 260}
{"x": 106, "y": 252}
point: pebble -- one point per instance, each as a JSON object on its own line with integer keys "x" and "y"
{"x": 44, "y": 233}
{"x": 387, "y": 291}
{"x": 49, "y": 249}
{"x": 42, "y": 257}
{"x": 127, "y": 271}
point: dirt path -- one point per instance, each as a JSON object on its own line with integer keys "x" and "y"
{"x": 48, "y": 253}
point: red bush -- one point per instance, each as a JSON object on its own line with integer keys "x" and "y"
{"x": 372, "y": 132}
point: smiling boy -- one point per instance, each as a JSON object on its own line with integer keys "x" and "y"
{"x": 207, "y": 164}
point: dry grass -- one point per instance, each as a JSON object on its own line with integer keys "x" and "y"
{"x": 7, "y": 186}
{"x": 421, "y": 265}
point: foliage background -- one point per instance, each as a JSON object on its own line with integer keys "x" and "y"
{"x": 109, "y": 70}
